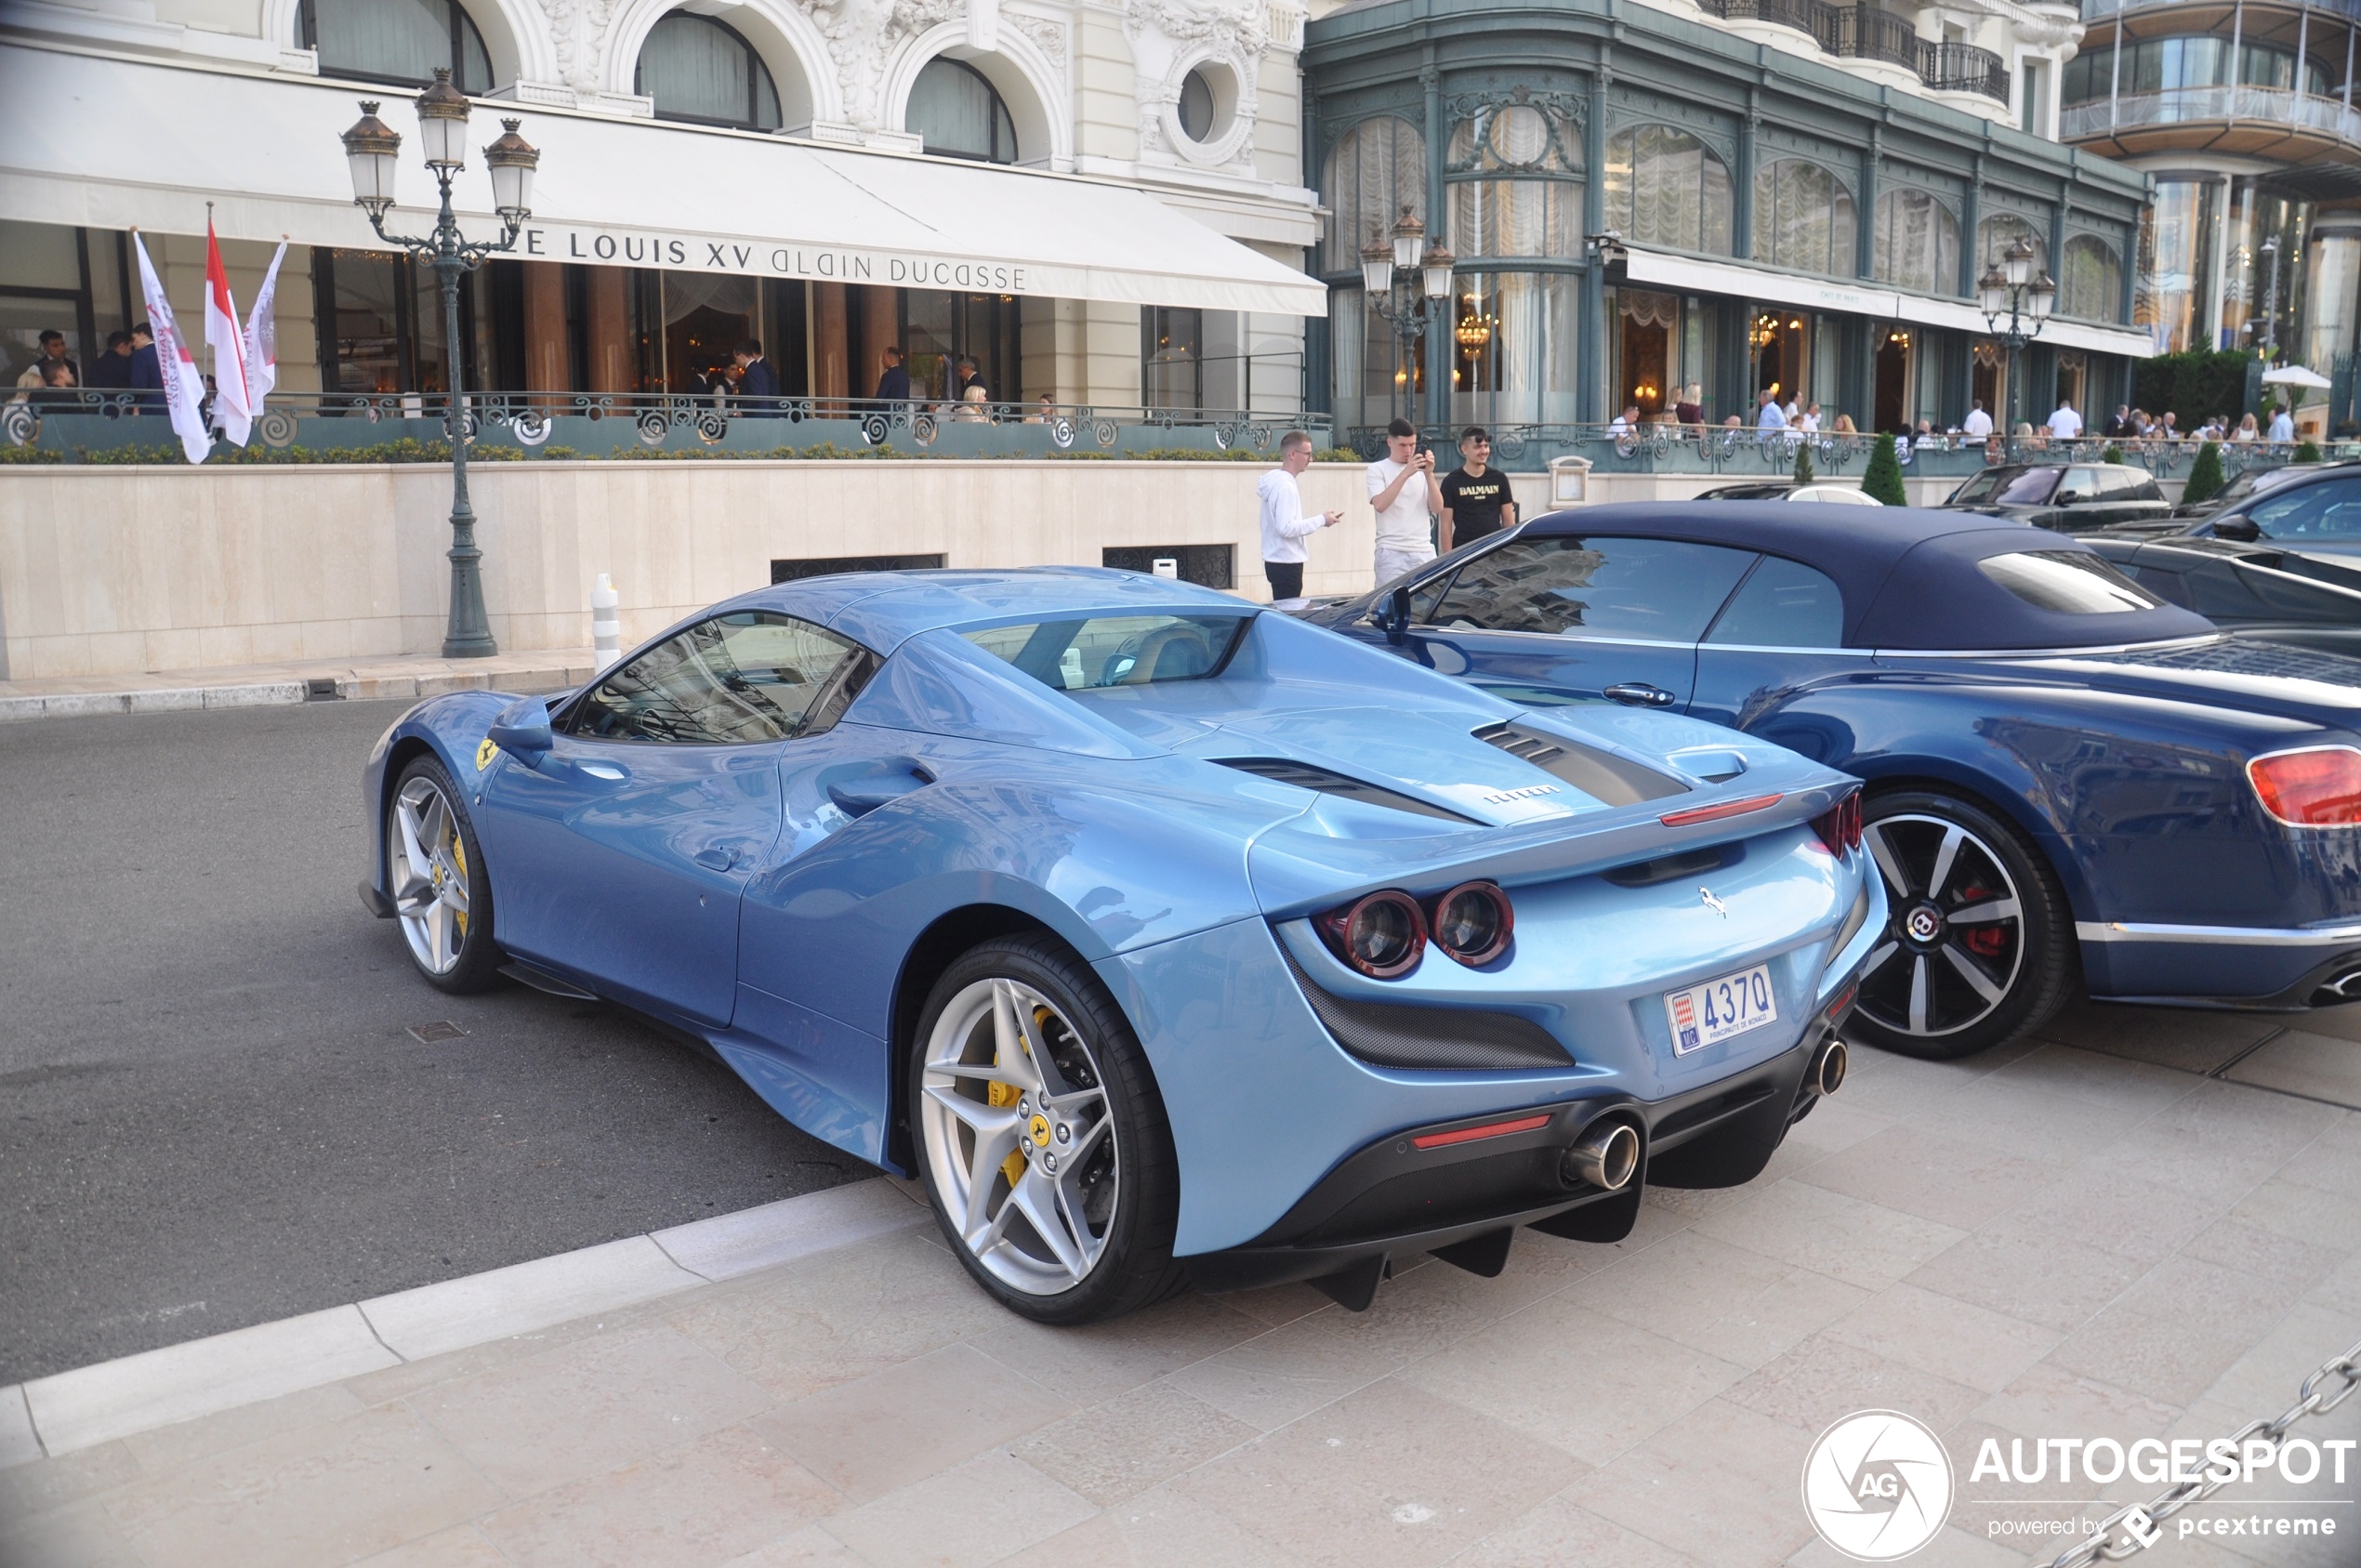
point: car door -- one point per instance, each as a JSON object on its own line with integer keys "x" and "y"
{"x": 2079, "y": 502}
{"x": 622, "y": 855}
{"x": 1575, "y": 618}
{"x": 2319, "y": 518}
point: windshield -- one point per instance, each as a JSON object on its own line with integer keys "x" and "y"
{"x": 1116, "y": 649}
{"x": 2067, "y": 583}
{"x": 2007, "y": 487}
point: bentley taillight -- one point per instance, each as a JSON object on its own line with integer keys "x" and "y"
{"x": 2320, "y": 787}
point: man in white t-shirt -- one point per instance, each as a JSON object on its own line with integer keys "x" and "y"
{"x": 2282, "y": 428}
{"x": 2065, "y": 423}
{"x": 1977, "y": 426}
{"x": 1285, "y": 524}
{"x": 1406, "y": 499}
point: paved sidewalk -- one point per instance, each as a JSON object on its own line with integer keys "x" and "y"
{"x": 2054, "y": 1241}
{"x": 401, "y": 674}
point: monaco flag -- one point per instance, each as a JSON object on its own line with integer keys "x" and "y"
{"x": 183, "y": 388}
{"x": 227, "y": 339}
{"x": 262, "y": 339}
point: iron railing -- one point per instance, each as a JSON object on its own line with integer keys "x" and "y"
{"x": 1867, "y": 32}
{"x": 1947, "y": 67}
{"x": 2275, "y": 106}
{"x": 103, "y": 427}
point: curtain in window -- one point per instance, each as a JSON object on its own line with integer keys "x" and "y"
{"x": 1665, "y": 188}
{"x": 1916, "y": 243}
{"x": 2091, "y": 286}
{"x": 1804, "y": 217}
{"x": 1996, "y": 233}
{"x": 1375, "y": 170}
{"x": 696, "y": 69}
{"x": 396, "y": 41}
{"x": 1512, "y": 350}
{"x": 956, "y": 114}
{"x": 1516, "y": 217}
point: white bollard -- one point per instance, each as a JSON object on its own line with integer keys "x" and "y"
{"x": 605, "y": 629}
{"x": 1164, "y": 566}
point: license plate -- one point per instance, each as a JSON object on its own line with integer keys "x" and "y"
{"x": 1709, "y": 1014}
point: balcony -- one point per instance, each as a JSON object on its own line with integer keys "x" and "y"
{"x": 2270, "y": 123}
{"x": 1872, "y": 33}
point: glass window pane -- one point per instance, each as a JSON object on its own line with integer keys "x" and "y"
{"x": 1783, "y": 604}
{"x": 696, "y": 69}
{"x": 1657, "y": 591}
{"x": 1803, "y": 218}
{"x": 1515, "y": 217}
{"x": 736, "y": 679}
{"x": 1196, "y": 106}
{"x": 1513, "y": 349}
{"x": 2315, "y": 511}
{"x": 1114, "y": 650}
{"x": 38, "y": 256}
{"x": 1375, "y": 170}
{"x": 1664, "y": 187}
{"x": 956, "y": 114}
{"x": 2067, "y": 583}
{"x": 382, "y": 40}
{"x": 1915, "y": 242}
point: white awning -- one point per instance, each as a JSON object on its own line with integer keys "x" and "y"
{"x": 1885, "y": 304}
{"x": 112, "y": 143}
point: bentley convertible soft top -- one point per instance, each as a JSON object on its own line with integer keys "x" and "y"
{"x": 1166, "y": 938}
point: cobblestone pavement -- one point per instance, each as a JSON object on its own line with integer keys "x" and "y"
{"x": 2147, "y": 1225}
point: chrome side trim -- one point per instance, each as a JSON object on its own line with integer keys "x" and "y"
{"x": 2104, "y": 931}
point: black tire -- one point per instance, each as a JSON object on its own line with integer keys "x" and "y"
{"x": 1940, "y": 987}
{"x": 468, "y": 939}
{"x": 1134, "y": 1266}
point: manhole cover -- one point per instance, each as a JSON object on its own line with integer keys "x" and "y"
{"x": 442, "y": 1029}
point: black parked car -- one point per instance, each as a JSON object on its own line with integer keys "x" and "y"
{"x": 2247, "y": 488}
{"x": 2281, "y": 563}
{"x": 2065, "y": 497}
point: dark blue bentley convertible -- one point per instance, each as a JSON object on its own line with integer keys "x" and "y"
{"x": 2061, "y": 765}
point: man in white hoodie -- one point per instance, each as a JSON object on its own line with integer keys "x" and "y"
{"x": 1285, "y": 525}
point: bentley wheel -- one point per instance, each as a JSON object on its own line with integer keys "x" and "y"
{"x": 1977, "y": 950}
{"x": 1045, "y": 1147}
{"x": 435, "y": 870}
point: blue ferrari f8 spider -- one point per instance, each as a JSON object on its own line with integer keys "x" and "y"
{"x": 1162, "y": 937}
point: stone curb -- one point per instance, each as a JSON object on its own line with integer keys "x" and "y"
{"x": 350, "y": 687}
{"x": 69, "y": 1411}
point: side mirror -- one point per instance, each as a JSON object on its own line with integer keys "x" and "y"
{"x": 1397, "y": 617}
{"x": 2243, "y": 529}
{"x": 523, "y": 731}
{"x": 2070, "y": 498}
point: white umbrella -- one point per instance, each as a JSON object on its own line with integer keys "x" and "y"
{"x": 2297, "y": 376}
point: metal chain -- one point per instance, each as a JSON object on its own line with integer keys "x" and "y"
{"x": 2314, "y": 1397}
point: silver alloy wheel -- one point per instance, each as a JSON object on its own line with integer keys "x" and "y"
{"x": 1019, "y": 1141}
{"x": 426, "y": 865}
{"x": 1948, "y": 888}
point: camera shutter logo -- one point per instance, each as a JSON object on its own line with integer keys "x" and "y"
{"x": 1877, "y": 1485}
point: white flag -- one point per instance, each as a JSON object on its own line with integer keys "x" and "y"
{"x": 228, "y": 341}
{"x": 183, "y": 387}
{"x": 262, "y": 339}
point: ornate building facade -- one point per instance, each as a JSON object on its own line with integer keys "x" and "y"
{"x": 1097, "y": 201}
{"x": 1745, "y": 195}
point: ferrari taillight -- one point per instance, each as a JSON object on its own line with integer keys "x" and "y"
{"x": 2320, "y": 787}
{"x": 1840, "y": 825}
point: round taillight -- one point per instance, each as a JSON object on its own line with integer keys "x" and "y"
{"x": 2320, "y": 787}
{"x": 1472, "y": 922}
{"x": 1380, "y": 934}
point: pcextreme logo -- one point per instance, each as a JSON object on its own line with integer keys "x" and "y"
{"x": 1877, "y": 1485}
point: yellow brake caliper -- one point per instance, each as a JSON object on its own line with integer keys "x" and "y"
{"x": 459, "y": 858}
{"x": 998, "y": 1094}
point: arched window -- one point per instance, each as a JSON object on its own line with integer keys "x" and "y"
{"x": 1665, "y": 188}
{"x": 1996, "y": 233}
{"x": 1540, "y": 214}
{"x": 402, "y": 41}
{"x": 1915, "y": 242}
{"x": 1804, "y": 219}
{"x": 957, "y": 113}
{"x": 2091, "y": 285}
{"x": 1375, "y": 170}
{"x": 699, "y": 71}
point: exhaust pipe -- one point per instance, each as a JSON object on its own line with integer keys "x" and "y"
{"x": 1826, "y": 1075}
{"x": 2346, "y": 987}
{"x": 1606, "y": 1156}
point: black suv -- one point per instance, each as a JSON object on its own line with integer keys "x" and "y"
{"x": 2067, "y": 497}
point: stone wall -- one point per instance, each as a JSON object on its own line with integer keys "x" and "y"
{"x": 107, "y": 571}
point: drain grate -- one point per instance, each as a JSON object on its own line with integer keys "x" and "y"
{"x": 442, "y": 1029}
{"x": 321, "y": 689}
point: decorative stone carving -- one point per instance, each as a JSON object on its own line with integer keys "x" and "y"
{"x": 578, "y": 29}
{"x": 1170, "y": 38}
{"x": 1047, "y": 36}
{"x": 862, "y": 35}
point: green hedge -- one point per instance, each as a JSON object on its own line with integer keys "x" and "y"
{"x": 2193, "y": 386}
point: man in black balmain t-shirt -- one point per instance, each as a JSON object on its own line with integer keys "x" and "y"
{"x": 1476, "y": 500}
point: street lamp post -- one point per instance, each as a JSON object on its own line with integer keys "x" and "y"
{"x": 371, "y": 148}
{"x": 1408, "y": 284}
{"x": 2008, "y": 288}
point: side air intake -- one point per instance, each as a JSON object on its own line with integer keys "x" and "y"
{"x": 1305, "y": 775}
{"x": 1600, "y": 774}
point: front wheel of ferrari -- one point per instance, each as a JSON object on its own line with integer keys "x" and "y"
{"x": 1979, "y": 939}
{"x": 1043, "y": 1142}
{"x": 434, "y": 866}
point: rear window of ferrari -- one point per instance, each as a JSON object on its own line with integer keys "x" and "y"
{"x": 2067, "y": 583}
{"x": 1103, "y": 651}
